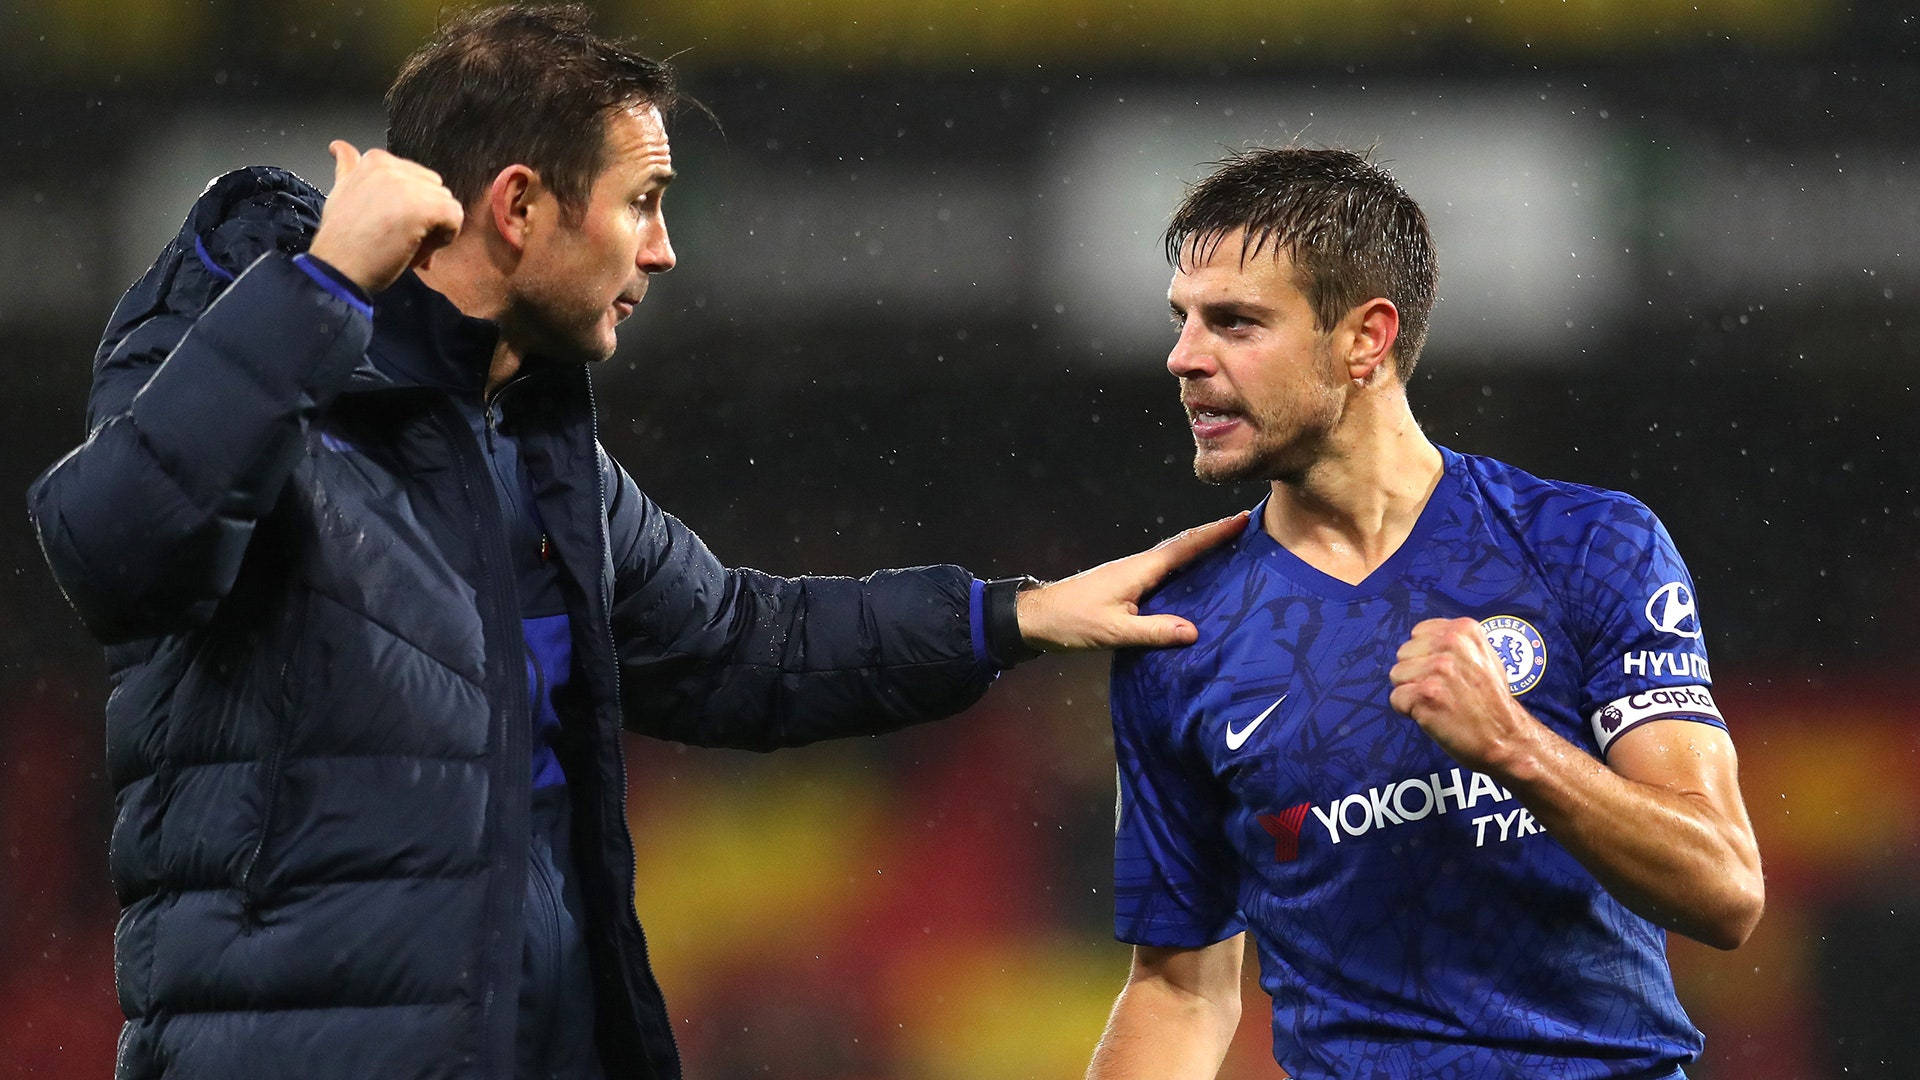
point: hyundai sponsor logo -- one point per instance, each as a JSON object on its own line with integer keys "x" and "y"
{"x": 1671, "y": 610}
{"x": 1648, "y": 662}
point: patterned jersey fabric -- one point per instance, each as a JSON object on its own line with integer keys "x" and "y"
{"x": 1412, "y": 918}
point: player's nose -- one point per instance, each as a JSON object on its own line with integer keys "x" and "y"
{"x": 1190, "y": 355}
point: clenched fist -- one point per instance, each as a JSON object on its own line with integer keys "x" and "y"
{"x": 385, "y": 214}
{"x": 1447, "y": 678}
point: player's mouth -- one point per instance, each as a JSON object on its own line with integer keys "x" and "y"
{"x": 624, "y": 304}
{"x": 1211, "y": 421}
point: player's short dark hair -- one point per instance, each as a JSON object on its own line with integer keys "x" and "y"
{"x": 1352, "y": 232}
{"x": 518, "y": 84}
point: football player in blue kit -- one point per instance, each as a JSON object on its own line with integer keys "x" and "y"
{"x": 1447, "y": 747}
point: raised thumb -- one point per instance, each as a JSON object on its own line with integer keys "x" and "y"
{"x": 345, "y": 158}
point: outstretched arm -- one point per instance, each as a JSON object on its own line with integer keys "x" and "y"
{"x": 733, "y": 657}
{"x": 1176, "y": 1015}
{"x": 1664, "y": 829}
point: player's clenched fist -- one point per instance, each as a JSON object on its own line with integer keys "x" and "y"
{"x": 385, "y": 214}
{"x": 1447, "y": 678}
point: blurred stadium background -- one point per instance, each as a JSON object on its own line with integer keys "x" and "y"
{"x": 918, "y": 318}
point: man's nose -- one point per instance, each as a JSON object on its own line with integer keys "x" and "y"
{"x": 656, "y": 255}
{"x": 1190, "y": 355}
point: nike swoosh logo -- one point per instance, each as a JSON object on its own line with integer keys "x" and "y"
{"x": 1238, "y": 739}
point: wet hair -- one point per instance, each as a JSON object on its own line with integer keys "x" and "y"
{"x": 519, "y": 84}
{"x": 1352, "y": 232}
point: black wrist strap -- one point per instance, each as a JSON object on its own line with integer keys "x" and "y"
{"x": 1005, "y": 647}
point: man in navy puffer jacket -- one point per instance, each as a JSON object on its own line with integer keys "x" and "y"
{"x": 377, "y": 605}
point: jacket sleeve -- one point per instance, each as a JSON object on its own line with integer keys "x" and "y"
{"x": 733, "y": 657}
{"x": 195, "y": 421}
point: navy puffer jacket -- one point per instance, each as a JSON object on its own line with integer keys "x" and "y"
{"x": 318, "y": 733}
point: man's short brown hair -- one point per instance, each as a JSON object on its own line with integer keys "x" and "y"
{"x": 1352, "y": 232}
{"x": 518, "y": 84}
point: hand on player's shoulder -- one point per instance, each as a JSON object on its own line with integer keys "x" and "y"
{"x": 1099, "y": 608}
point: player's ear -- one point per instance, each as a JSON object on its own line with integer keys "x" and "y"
{"x": 1370, "y": 331}
{"x": 510, "y": 204}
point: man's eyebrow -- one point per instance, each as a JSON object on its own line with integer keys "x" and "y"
{"x": 1214, "y": 309}
{"x": 663, "y": 178}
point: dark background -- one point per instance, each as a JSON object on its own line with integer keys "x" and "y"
{"x": 915, "y": 321}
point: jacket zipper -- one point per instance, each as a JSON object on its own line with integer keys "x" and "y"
{"x": 513, "y": 786}
{"x": 250, "y": 894}
{"x": 631, "y": 917}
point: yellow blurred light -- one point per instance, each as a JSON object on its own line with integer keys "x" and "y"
{"x": 147, "y": 36}
{"x": 1007, "y": 1010}
{"x": 120, "y": 37}
{"x": 876, "y": 33}
{"x": 731, "y": 875}
{"x": 1833, "y": 797}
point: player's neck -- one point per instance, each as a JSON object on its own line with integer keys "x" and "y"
{"x": 1353, "y": 508}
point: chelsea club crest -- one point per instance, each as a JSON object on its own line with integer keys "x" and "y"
{"x": 1520, "y": 648}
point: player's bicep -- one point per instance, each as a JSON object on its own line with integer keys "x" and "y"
{"x": 1688, "y": 758}
{"x": 1176, "y": 882}
{"x": 1644, "y": 656}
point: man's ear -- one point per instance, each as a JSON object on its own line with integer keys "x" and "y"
{"x": 510, "y": 204}
{"x": 1371, "y": 330}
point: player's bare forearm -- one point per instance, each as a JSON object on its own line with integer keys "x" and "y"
{"x": 1674, "y": 844}
{"x": 1663, "y": 828}
{"x": 1175, "y": 1017}
{"x": 1159, "y": 1033}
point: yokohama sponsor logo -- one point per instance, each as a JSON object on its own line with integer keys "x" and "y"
{"x": 1284, "y": 827}
{"x": 1416, "y": 798}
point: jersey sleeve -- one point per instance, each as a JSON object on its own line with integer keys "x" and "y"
{"x": 1175, "y": 882}
{"x": 1645, "y": 656}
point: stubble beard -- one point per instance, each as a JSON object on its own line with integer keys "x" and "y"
{"x": 547, "y": 327}
{"x": 555, "y": 337}
{"x": 1285, "y": 458}
{"x": 1287, "y": 441}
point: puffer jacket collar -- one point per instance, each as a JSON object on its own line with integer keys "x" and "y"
{"x": 421, "y": 340}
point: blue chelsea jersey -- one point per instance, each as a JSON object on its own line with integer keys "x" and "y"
{"x": 1413, "y": 920}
